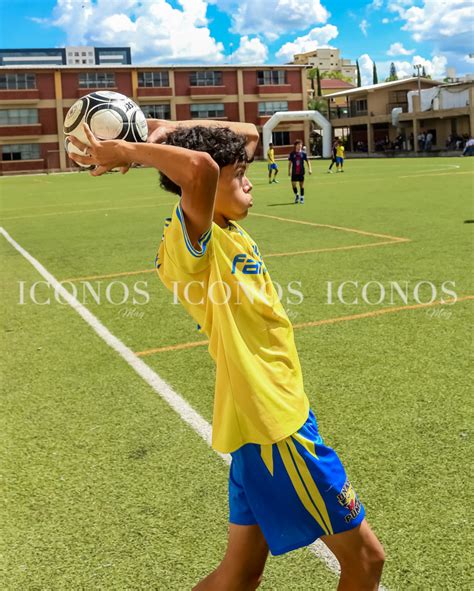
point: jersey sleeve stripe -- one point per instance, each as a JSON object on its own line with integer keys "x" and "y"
{"x": 202, "y": 241}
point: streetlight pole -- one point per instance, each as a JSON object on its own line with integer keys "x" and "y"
{"x": 418, "y": 68}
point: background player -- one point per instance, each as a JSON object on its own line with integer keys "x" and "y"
{"x": 286, "y": 487}
{"x": 333, "y": 154}
{"x": 296, "y": 162}
{"x": 340, "y": 156}
{"x": 272, "y": 165}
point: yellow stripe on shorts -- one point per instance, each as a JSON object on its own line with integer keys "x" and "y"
{"x": 304, "y": 485}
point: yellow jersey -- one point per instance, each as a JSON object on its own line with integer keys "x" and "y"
{"x": 271, "y": 155}
{"x": 340, "y": 151}
{"x": 224, "y": 285}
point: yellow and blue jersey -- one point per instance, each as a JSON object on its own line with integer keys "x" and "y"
{"x": 340, "y": 152}
{"x": 226, "y": 288}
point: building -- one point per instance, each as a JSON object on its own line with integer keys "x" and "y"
{"x": 34, "y": 101}
{"x": 327, "y": 59}
{"x": 62, "y": 56}
{"x": 367, "y": 118}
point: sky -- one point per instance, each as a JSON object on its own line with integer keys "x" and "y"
{"x": 438, "y": 34}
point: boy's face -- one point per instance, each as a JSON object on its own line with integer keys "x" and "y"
{"x": 298, "y": 147}
{"x": 233, "y": 198}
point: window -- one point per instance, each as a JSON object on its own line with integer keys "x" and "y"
{"x": 18, "y": 116}
{"x": 97, "y": 80}
{"x": 203, "y": 111}
{"x": 269, "y": 108}
{"x": 398, "y": 96}
{"x": 84, "y": 61}
{"x": 157, "y": 111}
{"x": 76, "y": 53}
{"x": 21, "y": 152}
{"x": 83, "y": 53}
{"x": 17, "y": 81}
{"x": 205, "y": 78}
{"x": 361, "y": 106}
{"x": 271, "y": 77}
{"x": 281, "y": 138}
{"x": 153, "y": 79}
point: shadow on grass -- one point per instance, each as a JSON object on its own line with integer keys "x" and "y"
{"x": 277, "y": 204}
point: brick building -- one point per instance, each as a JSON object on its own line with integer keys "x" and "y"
{"x": 34, "y": 101}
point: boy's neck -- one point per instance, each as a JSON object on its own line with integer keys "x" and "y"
{"x": 220, "y": 220}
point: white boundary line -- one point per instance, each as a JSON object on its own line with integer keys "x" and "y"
{"x": 177, "y": 403}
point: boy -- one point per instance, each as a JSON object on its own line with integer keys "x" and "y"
{"x": 296, "y": 161}
{"x": 286, "y": 488}
{"x": 333, "y": 154}
{"x": 340, "y": 157}
{"x": 272, "y": 165}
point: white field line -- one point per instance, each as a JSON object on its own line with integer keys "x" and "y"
{"x": 177, "y": 403}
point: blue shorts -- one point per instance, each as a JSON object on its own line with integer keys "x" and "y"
{"x": 295, "y": 490}
{"x": 339, "y": 160}
{"x": 272, "y": 166}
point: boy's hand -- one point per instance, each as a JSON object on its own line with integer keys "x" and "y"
{"x": 105, "y": 155}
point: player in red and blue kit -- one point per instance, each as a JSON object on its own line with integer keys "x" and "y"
{"x": 296, "y": 161}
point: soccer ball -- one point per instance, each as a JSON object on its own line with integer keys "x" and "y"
{"x": 110, "y": 116}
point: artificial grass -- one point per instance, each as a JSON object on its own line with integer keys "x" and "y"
{"x": 94, "y": 498}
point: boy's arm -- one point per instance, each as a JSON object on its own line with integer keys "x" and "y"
{"x": 308, "y": 164}
{"x": 195, "y": 173}
{"x": 289, "y": 166}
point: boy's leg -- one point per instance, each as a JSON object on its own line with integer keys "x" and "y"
{"x": 301, "y": 191}
{"x": 295, "y": 191}
{"x": 361, "y": 557}
{"x": 242, "y": 566}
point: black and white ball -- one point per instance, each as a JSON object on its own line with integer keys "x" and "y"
{"x": 110, "y": 116}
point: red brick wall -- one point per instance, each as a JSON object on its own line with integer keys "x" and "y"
{"x": 183, "y": 88}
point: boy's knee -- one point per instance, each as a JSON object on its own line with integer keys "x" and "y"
{"x": 368, "y": 562}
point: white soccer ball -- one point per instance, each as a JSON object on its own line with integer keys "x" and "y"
{"x": 110, "y": 116}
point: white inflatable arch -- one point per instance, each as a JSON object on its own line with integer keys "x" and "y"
{"x": 315, "y": 116}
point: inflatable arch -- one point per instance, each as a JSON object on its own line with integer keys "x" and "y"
{"x": 315, "y": 116}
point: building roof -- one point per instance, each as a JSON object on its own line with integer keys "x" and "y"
{"x": 154, "y": 67}
{"x": 330, "y": 83}
{"x": 372, "y": 87}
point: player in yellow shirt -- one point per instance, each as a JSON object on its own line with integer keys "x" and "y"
{"x": 272, "y": 165}
{"x": 286, "y": 487}
{"x": 340, "y": 157}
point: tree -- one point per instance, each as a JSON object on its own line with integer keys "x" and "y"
{"x": 318, "y": 79}
{"x": 318, "y": 104}
{"x": 423, "y": 72}
{"x": 359, "y": 80}
{"x": 393, "y": 73}
{"x": 335, "y": 75}
{"x": 375, "y": 78}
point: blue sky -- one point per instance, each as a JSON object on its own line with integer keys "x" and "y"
{"x": 436, "y": 33}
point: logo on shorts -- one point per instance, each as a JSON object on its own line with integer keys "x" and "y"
{"x": 348, "y": 499}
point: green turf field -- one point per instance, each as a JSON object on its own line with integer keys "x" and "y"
{"x": 105, "y": 487}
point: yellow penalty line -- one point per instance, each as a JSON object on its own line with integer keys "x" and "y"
{"x": 332, "y": 227}
{"x": 202, "y": 343}
{"x": 39, "y": 215}
{"x": 267, "y": 256}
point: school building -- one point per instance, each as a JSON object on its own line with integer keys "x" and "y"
{"x": 35, "y": 99}
{"x": 371, "y": 115}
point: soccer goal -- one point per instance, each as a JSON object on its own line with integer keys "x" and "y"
{"x": 315, "y": 116}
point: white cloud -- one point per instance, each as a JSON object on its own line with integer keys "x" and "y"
{"x": 375, "y": 5}
{"x": 398, "y": 49}
{"x": 435, "y": 67}
{"x": 363, "y": 26}
{"x": 278, "y": 16}
{"x": 366, "y": 69}
{"x": 250, "y": 51}
{"x": 449, "y": 22}
{"x": 317, "y": 37}
{"x": 156, "y": 31}
{"x": 385, "y": 21}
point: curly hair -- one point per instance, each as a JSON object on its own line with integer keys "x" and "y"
{"x": 223, "y": 145}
